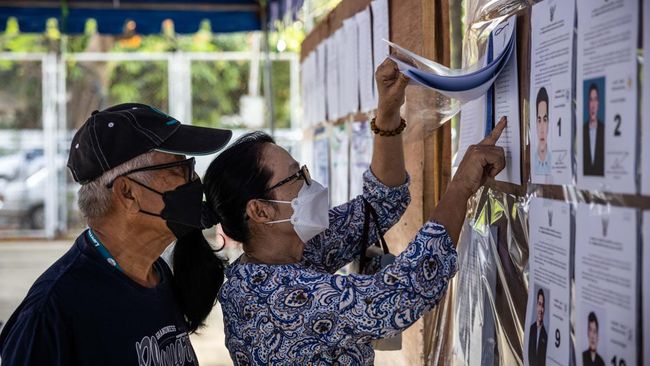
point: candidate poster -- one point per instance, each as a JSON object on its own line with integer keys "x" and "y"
{"x": 547, "y": 328}
{"x": 606, "y": 316}
{"x": 361, "y": 144}
{"x": 551, "y": 85}
{"x": 340, "y": 149}
{"x": 606, "y": 123}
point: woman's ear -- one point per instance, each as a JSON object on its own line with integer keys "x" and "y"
{"x": 259, "y": 211}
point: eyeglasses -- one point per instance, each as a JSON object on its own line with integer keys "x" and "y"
{"x": 183, "y": 168}
{"x": 302, "y": 173}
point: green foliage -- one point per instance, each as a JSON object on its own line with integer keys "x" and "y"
{"x": 281, "y": 93}
{"x": 217, "y": 86}
{"x": 139, "y": 81}
{"x": 21, "y": 81}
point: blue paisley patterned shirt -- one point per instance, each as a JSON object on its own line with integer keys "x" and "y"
{"x": 304, "y": 314}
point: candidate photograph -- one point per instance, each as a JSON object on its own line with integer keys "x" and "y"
{"x": 538, "y": 336}
{"x": 593, "y": 129}
{"x": 542, "y": 155}
{"x": 591, "y": 357}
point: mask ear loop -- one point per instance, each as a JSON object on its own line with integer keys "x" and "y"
{"x": 143, "y": 185}
{"x": 220, "y": 238}
{"x": 149, "y": 188}
{"x": 277, "y": 221}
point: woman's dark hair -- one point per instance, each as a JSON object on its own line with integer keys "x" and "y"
{"x": 234, "y": 177}
{"x": 198, "y": 276}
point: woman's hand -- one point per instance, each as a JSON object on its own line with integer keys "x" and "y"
{"x": 388, "y": 152}
{"x": 391, "y": 86}
{"x": 481, "y": 161}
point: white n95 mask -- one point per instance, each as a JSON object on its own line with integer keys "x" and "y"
{"x": 310, "y": 211}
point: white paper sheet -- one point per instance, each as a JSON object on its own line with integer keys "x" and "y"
{"x": 342, "y": 63}
{"x": 472, "y": 126}
{"x": 606, "y": 122}
{"x": 645, "y": 126}
{"x": 506, "y": 103}
{"x": 360, "y": 155}
{"x": 351, "y": 34}
{"x": 340, "y": 153}
{"x": 332, "y": 79}
{"x": 551, "y": 114}
{"x": 307, "y": 78}
{"x": 549, "y": 285}
{"x": 366, "y": 71}
{"x": 319, "y": 87}
{"x": 380, "y": 31}
{"x": 606, "y": 284}
{"x": 464, "y": 84}
{"x": 321, "y": 163}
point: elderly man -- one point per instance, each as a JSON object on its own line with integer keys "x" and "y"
{"x": 109, "y": 299}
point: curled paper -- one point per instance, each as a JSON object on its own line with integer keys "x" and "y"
{"x": 456, "y": 87}
{"x": 464, "y": 84}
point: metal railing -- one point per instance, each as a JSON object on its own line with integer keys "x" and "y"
{"x": 56, "y": 135}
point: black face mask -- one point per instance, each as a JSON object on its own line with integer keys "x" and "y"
{"x": 183, "y": 209}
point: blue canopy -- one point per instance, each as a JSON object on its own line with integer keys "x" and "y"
{"x": 111, "y": 15}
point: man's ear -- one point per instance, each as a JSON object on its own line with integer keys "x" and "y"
{"x": 125, "y": 195}
{"x": 259, "y": 211}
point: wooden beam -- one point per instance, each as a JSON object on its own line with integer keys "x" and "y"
{"x": 180, "y": 6}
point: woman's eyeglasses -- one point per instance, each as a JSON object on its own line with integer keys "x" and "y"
{"x": 303, "y": 173}
{"x": 183, "y": 168}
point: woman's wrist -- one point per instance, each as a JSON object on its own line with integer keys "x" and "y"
{"x": 388, "y": 119}
{"x": 387, "y": 133}
{"x": 459, "y": 191}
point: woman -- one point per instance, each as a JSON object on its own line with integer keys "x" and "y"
{"x": 282, "y": 302}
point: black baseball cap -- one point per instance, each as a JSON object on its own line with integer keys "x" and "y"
{"x": 118, "y": 134}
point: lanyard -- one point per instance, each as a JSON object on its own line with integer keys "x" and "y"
{"x": 103, "y": 251}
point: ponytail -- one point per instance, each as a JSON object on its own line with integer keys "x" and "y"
{"x": 198, "y": 276}
{"x": 234, "y": 177}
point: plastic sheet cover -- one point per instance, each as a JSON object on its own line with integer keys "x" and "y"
{"x": 491, "y": 286}
{"x": 481, "y": 321}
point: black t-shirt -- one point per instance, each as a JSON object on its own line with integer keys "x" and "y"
{"x": 83, "y": 311}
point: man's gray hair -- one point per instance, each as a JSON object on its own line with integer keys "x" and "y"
{"x": 95, "y": 198}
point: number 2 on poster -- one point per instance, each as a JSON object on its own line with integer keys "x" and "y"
{"x": 617, "y": 120}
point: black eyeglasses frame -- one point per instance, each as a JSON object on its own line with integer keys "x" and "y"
{"x": 190, "y": 163}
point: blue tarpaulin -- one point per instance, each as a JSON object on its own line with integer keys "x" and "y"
{"x": 111, "y": 15}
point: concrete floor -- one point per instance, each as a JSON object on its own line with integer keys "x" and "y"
{"x": 22, "y": 262}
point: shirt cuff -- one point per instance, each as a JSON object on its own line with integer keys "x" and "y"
{"x": 372, "y": 185}
{"x": 446, "y": 245}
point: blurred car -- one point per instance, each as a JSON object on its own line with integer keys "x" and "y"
{"x": 22, "y": 191}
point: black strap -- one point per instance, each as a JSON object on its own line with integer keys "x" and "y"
{"x": 370, "y": 213}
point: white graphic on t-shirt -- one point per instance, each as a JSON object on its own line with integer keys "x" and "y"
{"x": 175, "y": 351}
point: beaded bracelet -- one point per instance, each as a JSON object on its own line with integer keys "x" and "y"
{"x": 395, "y": 132}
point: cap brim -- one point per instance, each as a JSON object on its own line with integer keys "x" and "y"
{"x": 193, "y": 140}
